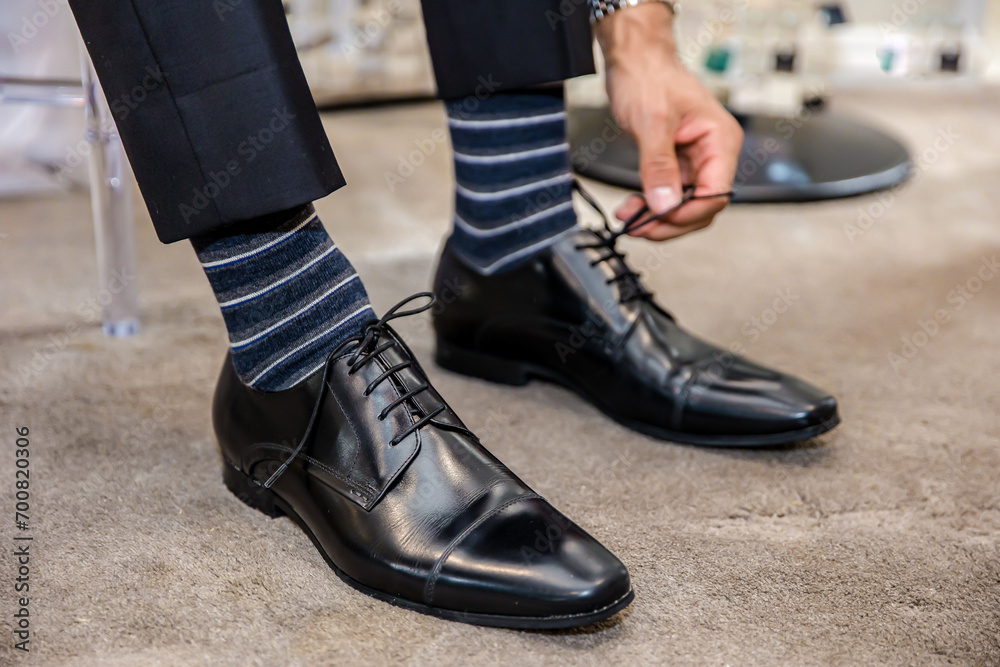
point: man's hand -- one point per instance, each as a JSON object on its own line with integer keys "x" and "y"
{"x": 685, "y": 136}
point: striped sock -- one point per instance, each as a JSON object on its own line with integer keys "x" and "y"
{"x": 513, "y": 184}
{"x": 287, "y": 294}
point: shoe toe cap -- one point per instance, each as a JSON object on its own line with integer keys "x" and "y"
{"x": 751, "y": 399}
{"x": 529, "y": 560}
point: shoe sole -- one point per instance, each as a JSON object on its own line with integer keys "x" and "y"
{"x": 516, "y": 373}
{"x": 268, "y": 502}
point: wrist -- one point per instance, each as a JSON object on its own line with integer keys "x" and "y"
{"x": 633, "y": 31}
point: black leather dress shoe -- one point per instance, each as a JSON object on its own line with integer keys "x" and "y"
{"x": 401, "y": 498}
{"x": 576, "y": 315}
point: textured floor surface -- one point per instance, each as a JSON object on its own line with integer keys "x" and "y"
{"x": 876, "y": 543}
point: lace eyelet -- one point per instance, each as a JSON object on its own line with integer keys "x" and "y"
{"x": 393, "y": 443}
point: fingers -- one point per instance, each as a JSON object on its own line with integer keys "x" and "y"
{"x": 661, "y": 230}
{"x": 664, "y": 231}
{"x": 697, "y": 211}
{"x": 713, "y": 155}
{"x": 630, "y": 207}
{"x": 710, "y": 148}
{"x": 712, "y": 179}
{"x": 697, "y": 214}
{"x": 658, "y": 169}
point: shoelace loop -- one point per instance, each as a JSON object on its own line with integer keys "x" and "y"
{"x": 367, "y": 348}
{"x": 608, "y": 238}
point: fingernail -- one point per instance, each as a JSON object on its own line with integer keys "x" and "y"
{"x": 663, "y": 198}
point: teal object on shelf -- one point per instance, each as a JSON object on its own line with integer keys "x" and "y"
{"x": 886, "y": 59}
{"x": 718, "y": 59}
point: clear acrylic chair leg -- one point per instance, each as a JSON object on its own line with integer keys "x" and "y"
{"x": 111, "y": 198}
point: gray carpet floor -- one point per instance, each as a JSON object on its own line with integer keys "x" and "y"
{"x": 876, "y": 543}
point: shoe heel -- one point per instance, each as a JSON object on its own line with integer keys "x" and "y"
{"x": 477, "y": 364}
{"x": 250, "y": 492}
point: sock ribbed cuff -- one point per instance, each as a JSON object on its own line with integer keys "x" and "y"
{"x": 288, "y": 297}
{"x": 513, "y": 182}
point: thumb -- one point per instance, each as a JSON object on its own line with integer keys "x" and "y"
{"x": 658, "y": 168}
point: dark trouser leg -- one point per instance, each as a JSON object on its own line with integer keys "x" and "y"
{"x": 212, "y": 107}
{"x": 480, "y": 47}
{"x": 228, "y": 150}
{"x": 512, "y": 164}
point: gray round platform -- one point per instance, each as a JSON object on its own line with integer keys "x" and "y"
{"x": 821, "y": 155}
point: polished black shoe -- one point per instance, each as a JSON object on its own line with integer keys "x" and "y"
{"x": 577, "y": 315}
{"x": 401, "y": 498}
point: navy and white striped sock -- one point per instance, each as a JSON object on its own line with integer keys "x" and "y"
{"x": 287, "y": 294}
{"x": 513, "y": 187}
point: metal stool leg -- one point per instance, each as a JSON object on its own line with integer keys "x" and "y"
{"x": 111, "y": 197}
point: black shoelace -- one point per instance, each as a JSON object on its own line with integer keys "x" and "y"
{"x": 630, "y": 284}
{"x": 368, "y": 346}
